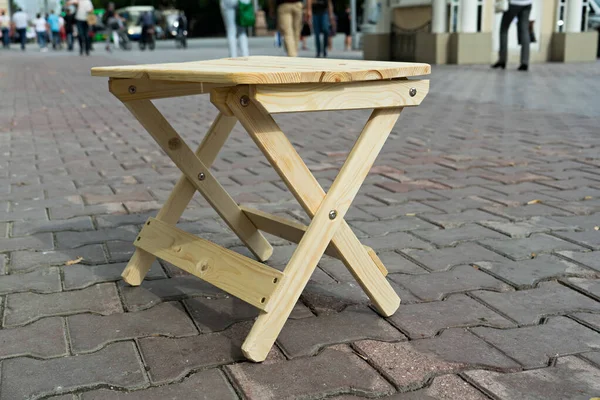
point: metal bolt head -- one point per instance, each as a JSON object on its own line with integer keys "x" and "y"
{"x": 244, "y": 101}
{"x": 412, "y": 92}
{"x": 201, "y": 176}
{"x": 132, "y": 89}
{"x": 332, "y": 214}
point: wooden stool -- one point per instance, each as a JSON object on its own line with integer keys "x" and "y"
{"x": 249, "y": 90}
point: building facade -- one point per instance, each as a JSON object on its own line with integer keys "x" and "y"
{"x": 467, "y": 31}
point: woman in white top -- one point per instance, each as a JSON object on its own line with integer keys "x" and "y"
{"x": 41, "y": 30}
{"x": 521, "y": 10}
{"x": 84, "y": 7}
{"x": 234, "y": 32}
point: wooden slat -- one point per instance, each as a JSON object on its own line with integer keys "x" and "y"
{"x": 339, "y": 96}
{"x": 185, "y": 159}
{"x": 234, "y": 273}
{"x": 140, "y": 89}
{"x": 268, "y": 70}
{"x": 218, "y": 96}
{"x": 293, "y": 231}
{"x": 141, "y": 261}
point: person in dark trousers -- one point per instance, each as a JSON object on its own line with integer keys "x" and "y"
{"x": 5, "y": 28}
{"x": 147, "y": 22}
{"x": 519, "y": 9}
{"x": 84, "y": 7}
{"x": 69, "y": 24}
{"x": 20, "y": 21}
{"x": 321, "y": 13}
{"x": 344, "y": 27}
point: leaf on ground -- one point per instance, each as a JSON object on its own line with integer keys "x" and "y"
{"x": 588, "y": 198}
{"x": 535, "y": 201}
{"x": 597, "y": 228}
{"x": 75, "y": 261}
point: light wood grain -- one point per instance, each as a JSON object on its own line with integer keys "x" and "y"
{"x": 191, "y": 166}
{"x": 147, "y": 89}
{"x": 265, "y": 70}
{"x": 234, "y": 273}
{"x": 141, "y": 261}
{"x": 218, "y": 97}
{"x": 322, "y": 229}
{"x": 339, "y": 96}
{"x": 293, "y": 231}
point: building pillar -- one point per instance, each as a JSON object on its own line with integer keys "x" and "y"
{"x": 574, "y": 15}
{"x": 439, "y": 16}
{"x": 468, "y": 16}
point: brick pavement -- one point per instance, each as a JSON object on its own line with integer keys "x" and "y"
{"x": 485, "y": 206}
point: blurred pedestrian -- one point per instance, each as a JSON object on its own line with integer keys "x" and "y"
{"x": 236, "y": 34}
{"x": 41, "y": 31}
{"x": 321, "y": 13}
{"x": 5, "y": 29}
{"x": 519, "y": 9}
{"x": 344, "y": 27}
{"x": 84, "y": 7}
{"x": 20, "y": 21}
{"x": 54, "y": 25}
{"x": 304, "y": 34}
{"x": 289, "y": 20}
{"x": 111, "y": 22}
{"x": 69, "y": 24}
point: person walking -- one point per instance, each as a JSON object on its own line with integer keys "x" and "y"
{"x": 54, "y": 24}
{"x": 110, "y": 21}
{"x": 84, "y": 7}
{"x": 20, "y": 23}
{"x": 235, "y": 34}
{"x": 344, "y": 27}
{"x": 69, "y": 23}
{"x": 321, "y": 12}
{"x": 5, "y": 29}
{"x": 519, "y": 9}
{"x": 41, "y": 30}
{"x": 289, "y": 19}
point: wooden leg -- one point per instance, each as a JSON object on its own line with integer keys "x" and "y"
{"x": 328, "y": 214}
{"x": 296, "y": 175}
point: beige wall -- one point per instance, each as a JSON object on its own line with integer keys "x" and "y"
{"x": 411, "y": 17}
{"x": 4, "y": 5}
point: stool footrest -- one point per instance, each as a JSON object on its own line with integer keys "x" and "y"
{"x": 293, "y": 231}
{"x": 238, "y": 275}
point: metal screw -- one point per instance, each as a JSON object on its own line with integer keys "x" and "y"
{"x": 412, "y": 92}
{"x": 132, "y": 89}
{"x": 332, "y": 214}
{"x": 244, "y": 101}
{"x": 201, "y": 176}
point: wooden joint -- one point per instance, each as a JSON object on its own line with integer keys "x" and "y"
{"x": 293, "y": 231}
{"x": 146, "y": 89}
{"x": 219, "y": 96}
{"x": 234, "y": 273}
{"x": 304, "y": 97}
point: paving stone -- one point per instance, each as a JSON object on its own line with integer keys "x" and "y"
{"x": 331, "y": 372}
{"x": 446, "y": 387}
{"x": 139, "y": 195}
{"x": 583, "y": 222}
{"x": 528, "y": 306}
{"x": 592, "y": 320}
{"x": 449, "y": 221}
{"x": 26, "y": 215}
{"x": 580, "y": 207}
{"x": 443, "y": 259}
{"x": 526, "y": 211}
{"x": 427, "y": 319}
{"x": 307, "y": 336}
{"x": 44, "y": 338}
{"x": 71, "y": 240}
{"x": 410, "y": 364}
{"x": 117, "y": 365}
{"x": 41, "y": 241}
{"x": 524, "y": 274}
{"x": 153, "y": 292}
{"x": 590, "y": 286}
{"x": 79, "y": 276}
{"x": 523, "y": 229}
{"x": 22, "y": 308}
{"x": 2, "y": 264}
{"x": 114, "y": 221}
{"x": 437, "y": 285}
{"x": 43, "y": 281}
{"x": 451, "y": 237}
{"x": 403, "y": 187}
{"x": 454, "y": 206}
{"x": 399, "y": 211}
{"x": 169, "y": 359}
{"x": 381, "y": 228}
{"x": 590, "y": 239}
{"x": 71, "y": 211}
{"x": 213, "y": 315}
{"x": 204, "y": 385}
{"x": 30, "y": 227}
{"x": 393, "y": 262}
{"x": 570, "y": 378}
{"x": 533, "y": 346}
{"x": 90, "y": 332}
{"x": 28, "y": 260}
{"x": 593, "y": 357}
{"x": 396, "y": 241}
{"x": 523, "y": 249}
